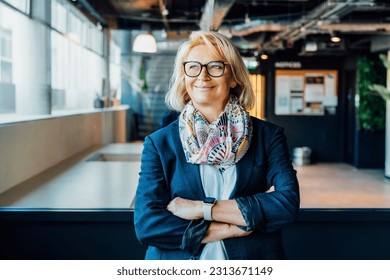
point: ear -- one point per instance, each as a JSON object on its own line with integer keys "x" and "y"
{"x": 233, "y": 84}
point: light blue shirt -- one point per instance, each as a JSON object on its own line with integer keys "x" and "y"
{"x": 218, "y": 185}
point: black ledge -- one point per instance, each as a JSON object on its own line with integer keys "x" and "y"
{"x": 126, "y": 215}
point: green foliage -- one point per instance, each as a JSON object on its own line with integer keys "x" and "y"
{"x": 380, "y": 89}
{"x": 385, "y": 62}
{"x": 142, "y": 76}
{"x": 372, "y": 108}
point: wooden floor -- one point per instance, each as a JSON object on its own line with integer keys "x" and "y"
{"x": 339, "y": 185}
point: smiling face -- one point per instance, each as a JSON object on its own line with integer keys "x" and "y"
{"x": 208, "y": 94}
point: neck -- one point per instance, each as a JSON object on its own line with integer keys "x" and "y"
{"x": 211, "y": 112}
{"x": 210, "y": 115}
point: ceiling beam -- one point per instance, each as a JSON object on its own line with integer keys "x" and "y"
{"x": 326, "y": 13}
{"x": 214, "y": 13}
{"x": 355, "y": 27}
{"x": 255, "y": 26}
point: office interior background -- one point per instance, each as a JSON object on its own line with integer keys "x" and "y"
{"x": 77, "y": 97}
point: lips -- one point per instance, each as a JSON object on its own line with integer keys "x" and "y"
{"x": 203, "y": 87}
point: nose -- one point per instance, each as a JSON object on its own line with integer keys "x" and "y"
{"x": 203, "y": 73}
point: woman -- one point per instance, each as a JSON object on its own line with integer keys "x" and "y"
{"x": 205, "y": 180}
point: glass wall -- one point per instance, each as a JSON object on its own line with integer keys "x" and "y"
{"x": 52, "y": 59}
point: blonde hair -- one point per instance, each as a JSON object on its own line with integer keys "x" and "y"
{"x": 177, "y": 96}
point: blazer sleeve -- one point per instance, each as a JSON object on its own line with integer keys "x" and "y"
{"x": 154, "y": 224}
{"x": 270, "y": 211}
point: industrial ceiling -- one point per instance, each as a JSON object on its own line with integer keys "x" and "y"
{"x": 256, "y": 25}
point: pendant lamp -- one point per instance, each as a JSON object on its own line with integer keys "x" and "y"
{"x": 145, "y": 43}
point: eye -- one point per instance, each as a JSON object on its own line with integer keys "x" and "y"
{"x": 215, "y": 65}
{"x": 193, "y": 66}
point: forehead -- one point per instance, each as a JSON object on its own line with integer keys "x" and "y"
{"x": 203, "y": 54}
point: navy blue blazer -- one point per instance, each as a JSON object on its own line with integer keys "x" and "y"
{"x": 165, "y": 174}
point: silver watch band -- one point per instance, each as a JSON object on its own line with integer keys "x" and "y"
{"x": 207, "y": 207}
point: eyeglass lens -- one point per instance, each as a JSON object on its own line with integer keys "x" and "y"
{"x": 194, "y": 68}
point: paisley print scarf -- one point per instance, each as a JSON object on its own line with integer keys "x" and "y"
{"x": 221, "y": 143}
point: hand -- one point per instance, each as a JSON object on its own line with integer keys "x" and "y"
{"x": 237, "y": 232}
{"x": 185, "y": 208}
{"x": 219, "y": 231}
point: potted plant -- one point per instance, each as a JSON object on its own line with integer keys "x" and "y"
{"x": 383, "y": 92}
{"x": 371, "y": 114}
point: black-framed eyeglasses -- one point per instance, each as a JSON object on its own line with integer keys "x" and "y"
{"x": 214, "y": 68}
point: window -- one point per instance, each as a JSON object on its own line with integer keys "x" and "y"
{"x": 5, "y": 55}
{"x": 77, "y": 74}
{"x": 59, "y": 14}
{"x": 75, "y": 27}
{"x": 115, "y": 70}
{"x": 72, "y": 49}
{"x": 7, "y": 87}
{"x": 21, "y": 5}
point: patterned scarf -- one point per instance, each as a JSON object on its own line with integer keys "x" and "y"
{"x": 221, "y": 143}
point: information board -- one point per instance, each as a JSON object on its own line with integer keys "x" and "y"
{"x": 305, "y": 92}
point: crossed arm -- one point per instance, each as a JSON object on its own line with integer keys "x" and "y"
{"x": 225, "y": 213}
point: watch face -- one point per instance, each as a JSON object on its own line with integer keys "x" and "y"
{"x": 209, "y": 200}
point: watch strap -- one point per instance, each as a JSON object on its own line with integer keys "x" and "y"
{"x": 208, "y": 204}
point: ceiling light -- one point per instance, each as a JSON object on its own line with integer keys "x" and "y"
{"x": 145, "y": 43}
{"x": 247, "y": 18}
{"x": 165, "y": 11}
{"x": 99, "y": 26}
{"x": 335, "y": 39}
{"x": 264, "y": 56}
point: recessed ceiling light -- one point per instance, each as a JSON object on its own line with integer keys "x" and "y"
{"x": 335, "y": 39}
{"x": 264, "y": 56}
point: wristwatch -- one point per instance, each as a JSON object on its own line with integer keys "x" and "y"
{"x": 208, "y": 204}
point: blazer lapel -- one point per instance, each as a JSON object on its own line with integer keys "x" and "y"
{"x": 244, "y": 172}
{"x": 190, "y": 172}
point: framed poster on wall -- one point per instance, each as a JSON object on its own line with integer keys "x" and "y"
{"x": 305, "y": 92}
